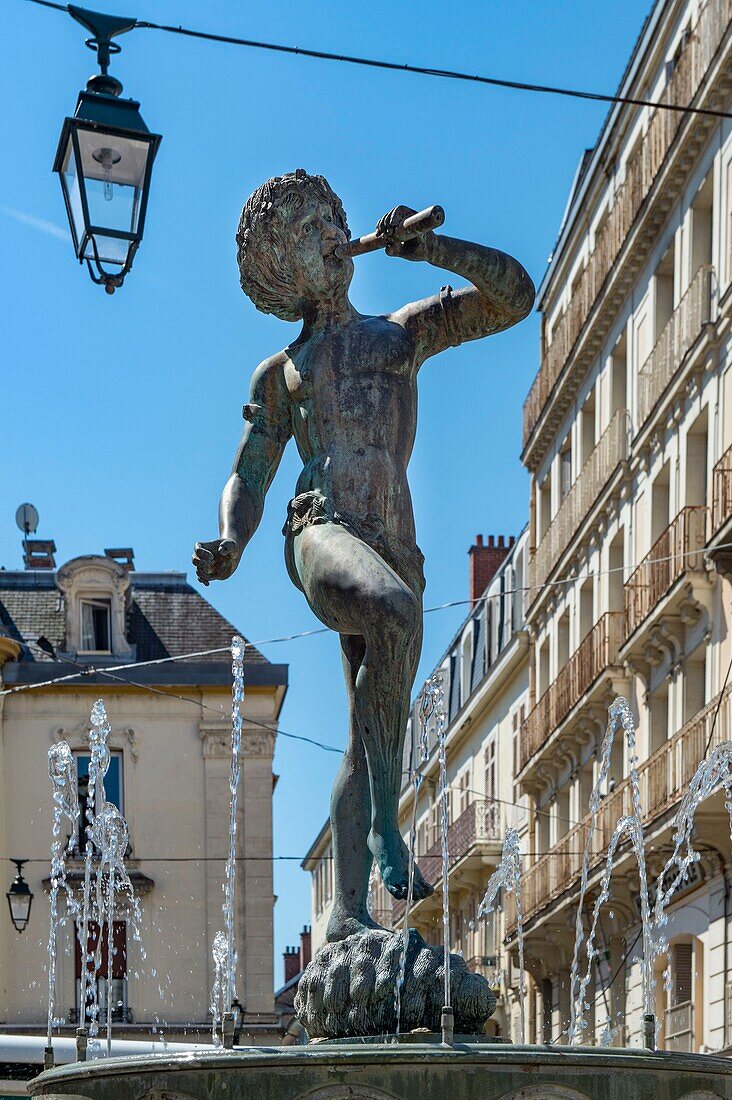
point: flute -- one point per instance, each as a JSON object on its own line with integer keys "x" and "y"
{"x": 422, "y": 222}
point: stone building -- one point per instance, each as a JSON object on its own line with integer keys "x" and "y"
{"x": 485, "y": 682}
{"x": 169, "y": 775}
{"x": 627, "y": 435}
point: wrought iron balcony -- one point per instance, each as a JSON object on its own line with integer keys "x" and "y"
{"x": 678, "y": 550}
{"x": 679, "y": 1028}
{"x": 722, "y": 491}
{"x": 641, "y": 170}
{"x": 664, "y": 778}
{"x": 673, "y": 345}
{"x": 610, "y": 451}
{"x": 597, "y": 652}
{"x": 479, "y": 824}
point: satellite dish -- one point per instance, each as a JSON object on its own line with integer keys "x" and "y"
{"x": 27, "y": 519}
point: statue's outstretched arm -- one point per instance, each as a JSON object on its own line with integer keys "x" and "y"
{"x": 501, "y": 293}
{"x": 258, "y": 455}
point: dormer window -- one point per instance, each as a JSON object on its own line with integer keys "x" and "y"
{"x": 96, "y": 593}
{"x": 95, "y": 626}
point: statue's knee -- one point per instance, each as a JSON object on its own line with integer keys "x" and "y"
{"x": 403, "y": 608}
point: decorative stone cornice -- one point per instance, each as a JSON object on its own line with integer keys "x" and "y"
{"x": 77, "y": 737}
{"x": 216, "y": 741}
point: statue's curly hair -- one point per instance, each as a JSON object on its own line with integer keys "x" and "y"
{"x": 261, "y": 240}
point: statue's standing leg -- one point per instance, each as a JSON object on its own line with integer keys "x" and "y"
{"x": 355, "y": 592}
{"x": 350, "y": 815}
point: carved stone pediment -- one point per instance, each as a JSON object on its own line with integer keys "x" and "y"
{"x": 77, "y": 737}
{"x": 216, "y": 740}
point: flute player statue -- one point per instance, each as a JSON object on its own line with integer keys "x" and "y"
{"x": 346, "y": 390}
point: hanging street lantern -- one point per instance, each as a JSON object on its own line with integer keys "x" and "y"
{"x": 19, "y": 898}
{"x": 104, "y": 160}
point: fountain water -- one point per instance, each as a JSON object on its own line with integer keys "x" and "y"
{"x": 412, "y": 1071}
{"x": 99, "y": 759}
{"x": 223, "y": 993}
{"x": 627, "y": 827}
{"x": 619, "y": 717}
{"x": 713, "y": 772}
{"x": 444, "y": 827}
{"x": 220, "y": 951}
{"x": 110, "y": 836}
{"x": 62, "y": 773}
{"x": 507, "y": 876}
{"x": 426, "y": 709}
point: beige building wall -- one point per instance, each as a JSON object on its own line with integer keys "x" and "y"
{"x": 176, "y": 758}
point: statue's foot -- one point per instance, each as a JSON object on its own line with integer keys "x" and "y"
{"x": 342, "y": 924}
{"x": 392, "y": 856}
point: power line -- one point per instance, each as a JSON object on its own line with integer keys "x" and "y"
{"x": 417, "y": 70}
{"x": 88, "y": 670}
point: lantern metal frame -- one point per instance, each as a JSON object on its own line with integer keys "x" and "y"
{"x": 100, "y": 110}
{"x": 19, "y": 888}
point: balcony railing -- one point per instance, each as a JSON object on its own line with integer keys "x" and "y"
{"x": 663, "y": 777}
{"x": 722, "y": 491}
{"x": 678, "y": 337}
{"x": 679, "y": 549}
{"x": 679, "y": 1028}
{"x": 641, "y": 170}
{"x": 480, "y": 822}
{"x": 610, "y": 451}
{"x": 597, "y": 652}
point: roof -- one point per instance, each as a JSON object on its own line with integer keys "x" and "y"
{"x": 592, "y": 158}
{"x": 166, "y": 616}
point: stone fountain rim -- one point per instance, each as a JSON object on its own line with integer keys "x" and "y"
{"x": 366, "y": 1054}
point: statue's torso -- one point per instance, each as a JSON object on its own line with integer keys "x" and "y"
{"x": 353, "y": 404}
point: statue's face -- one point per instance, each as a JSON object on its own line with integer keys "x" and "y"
{"x": 313, "y": 237}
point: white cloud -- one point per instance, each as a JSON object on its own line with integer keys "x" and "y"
{"x": 40, "y": 224}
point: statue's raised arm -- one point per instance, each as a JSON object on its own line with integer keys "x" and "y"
{"x": 501, "y": 294}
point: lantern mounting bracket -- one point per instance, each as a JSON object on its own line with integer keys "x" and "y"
{"x": 103, "y": 29}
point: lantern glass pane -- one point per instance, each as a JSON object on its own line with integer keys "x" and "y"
{"x": 19, "y": 907}
{"x": 110, "y": 250}
{"x": 70, "y": 180}
{"x": 114, "y": 173}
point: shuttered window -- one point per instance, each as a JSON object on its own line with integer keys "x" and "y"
{"x": 682, "y": 973}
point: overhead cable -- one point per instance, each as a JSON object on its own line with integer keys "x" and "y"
{"x": 418, "y": 70}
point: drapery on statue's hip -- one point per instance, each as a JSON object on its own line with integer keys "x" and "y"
{"x": 313, "y": 508}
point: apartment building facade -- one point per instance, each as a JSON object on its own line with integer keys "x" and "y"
{"x": 627, "y": 436}
{"x": 169, "y": 771}
{"x": 484, "y": 673}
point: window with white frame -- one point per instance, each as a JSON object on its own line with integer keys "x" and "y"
{"x": 464, "y": 792}
{"x": 95, "y": 630}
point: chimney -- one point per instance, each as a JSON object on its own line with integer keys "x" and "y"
{"x": 291, "y": 955}
{"x": 38, "y": 553}
{"x": 305, "y": 946}
{"x": 485, "y": 560}
{"x": 124, "y": 556}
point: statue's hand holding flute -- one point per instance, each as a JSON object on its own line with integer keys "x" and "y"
{"x": 401, "y": 232}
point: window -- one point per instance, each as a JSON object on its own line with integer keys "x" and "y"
{"x": 464, "y": 791}
{"x": 118, "y": 992}
{"x": 95, "y": 626}
{"x": 489, "y": 763}
{"x": 112, "y": 788}
{"x": 565, "y": 470}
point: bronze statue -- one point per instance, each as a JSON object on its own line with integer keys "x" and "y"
{"x": 346, "y": 389}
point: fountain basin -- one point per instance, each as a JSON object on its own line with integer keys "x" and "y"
{"x": 386, "y": 1071}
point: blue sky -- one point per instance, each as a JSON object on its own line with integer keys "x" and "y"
{"x": 120, "y": 415}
